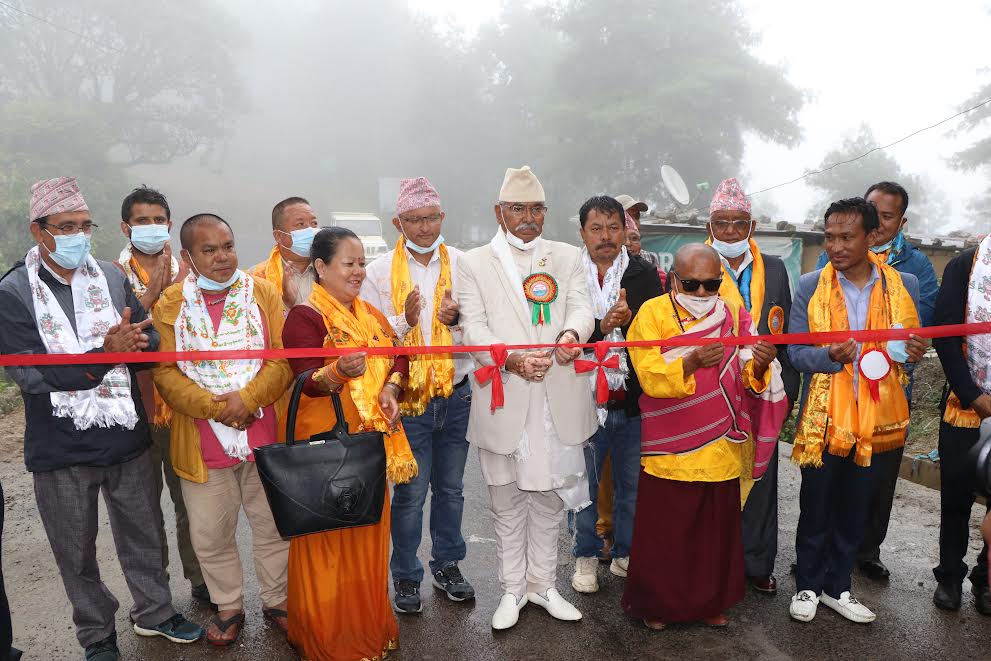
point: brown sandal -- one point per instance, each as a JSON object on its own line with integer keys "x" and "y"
{"x": 278, "y": 618}
{"x": 223, "y": 626}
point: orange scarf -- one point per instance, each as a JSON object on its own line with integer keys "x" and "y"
{"x": 360, "y": 328}
{"x": 430, "y": 375}
{"x": 273, "y": 270}
{"x": 833, "y": 416}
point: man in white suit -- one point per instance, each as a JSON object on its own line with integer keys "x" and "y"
{"x": 523, "y": 289}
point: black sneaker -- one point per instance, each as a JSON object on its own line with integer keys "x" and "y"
{"x": 177, "y": 629}
{"x": 407, "y": 597}
{"x": 450, "y": 580}
{"x": 105, "y": 650}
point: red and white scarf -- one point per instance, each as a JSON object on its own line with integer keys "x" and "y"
{"x": 110, "y": 403}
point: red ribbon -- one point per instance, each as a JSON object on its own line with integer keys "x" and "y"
{"x": 492, "y": 373}
{"x": 601, "y": 383}
{"x": 820, "y": 339}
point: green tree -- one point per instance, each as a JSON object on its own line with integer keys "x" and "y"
{"x": 842, "y": 176}
{"x": 978, "y": 155}
{"x": 160, "y": 75}
{"x": 600, "y": 95}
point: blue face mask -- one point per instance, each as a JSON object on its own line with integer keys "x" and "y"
{"x": 429, "y": 249}
{"x": 731, "y": 250}
{"x": 150, "y": 239}
{"x": 897, "y": 349}
{"x": 885, "y": 248}
{"x": 206, "y": 284}
{"x": 302, "y": 240}
{"x": 70, "y": 251}
{"x": 420, "y": 250}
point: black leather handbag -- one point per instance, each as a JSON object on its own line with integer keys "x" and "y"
{"x": 331, "y": 481}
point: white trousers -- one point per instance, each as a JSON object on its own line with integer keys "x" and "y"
{"x": 527, "y": 524}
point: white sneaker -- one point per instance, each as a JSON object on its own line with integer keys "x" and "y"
{"x": 508, "y": 612}
{"x": 585, "y": 578}
{"x": 848, "y": 606}
{"x": 620, "y": 566}
{"x": 803, "y": 606}
{"x": 555, "y": 604}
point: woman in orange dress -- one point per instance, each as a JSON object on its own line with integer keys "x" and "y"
{"x": 339, "y": 607}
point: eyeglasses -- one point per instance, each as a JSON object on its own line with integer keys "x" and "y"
{"x": 711, "y": 286}
{"x": 738, "y": 225}
{"x": 421, "y": 220}
{"x": 69, "y": 229}
{"x": 537, "y": 211}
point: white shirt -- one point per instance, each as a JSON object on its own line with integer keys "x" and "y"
{"x": 377, "y": 290}
{"x": 748, "y": 259}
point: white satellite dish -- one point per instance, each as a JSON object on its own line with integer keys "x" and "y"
{"x": 675, "y": 184}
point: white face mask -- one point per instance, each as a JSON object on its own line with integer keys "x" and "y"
{"x": 697, "y": 306}
{"x": 516, "y": 241}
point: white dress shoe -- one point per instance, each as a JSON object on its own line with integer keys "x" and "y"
{"x": 620, "y": 566}
{"x": 803, "y": 606}
{"x": 508, "y": 612}
{"x": 585, "y": 578}
{"x": 848, "y": 606}
{"x": 556, "y": 605}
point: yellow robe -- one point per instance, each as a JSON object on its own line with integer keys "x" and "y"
{"x": 716, "y": 462}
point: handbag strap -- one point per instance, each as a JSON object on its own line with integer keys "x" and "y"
{"x": 297, "y": 393}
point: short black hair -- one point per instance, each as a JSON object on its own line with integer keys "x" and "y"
{"x": 143, "y": 195}
{"x": 326, "y": 243}
{"x": 891, "y": 188}
{"x": 186, "y": 231}
{"x": 858, "y": 205}
{"x": 603, "y": 204}
{"x": 279, "y": 208}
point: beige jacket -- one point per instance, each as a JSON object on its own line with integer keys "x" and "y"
{"x": 490, "y": 314}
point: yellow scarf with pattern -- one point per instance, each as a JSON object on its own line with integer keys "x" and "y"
{"x": 430, "y": 375}
{"x": 834, "y": 419}
{"x": 360, "y": 328}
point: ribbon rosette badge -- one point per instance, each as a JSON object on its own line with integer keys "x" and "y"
{"x": 541, "y": 290}
{"x": 874, "y": 366}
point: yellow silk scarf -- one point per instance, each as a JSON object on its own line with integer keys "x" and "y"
{"x": 273, "y": 269}
{"x": 729, "y": 291}
{"x": 360, "y": 328}
{"x": 833, "y": 416}
{"x": 430, "y": 375}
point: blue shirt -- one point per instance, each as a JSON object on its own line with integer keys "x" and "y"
{"x": 858, "y": 304}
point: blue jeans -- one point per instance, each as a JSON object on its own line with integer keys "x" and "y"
{"x": 620, "y": 438}
{"x": 437, "y": 439}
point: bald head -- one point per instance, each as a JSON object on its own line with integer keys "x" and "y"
{"x": 697, "y": 262}
{"x": 191, "y": 223}
{"x": 696, "y": 255}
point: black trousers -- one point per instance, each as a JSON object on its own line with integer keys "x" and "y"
{"x": 886, "y": 466}
{"x": 956, "y": 500}
{"x": 760, "y": 523}
{"x": 833, "y": 501}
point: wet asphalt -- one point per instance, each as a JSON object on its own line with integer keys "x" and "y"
{"x": 908, "y": 625}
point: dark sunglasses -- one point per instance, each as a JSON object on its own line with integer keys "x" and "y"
{"x": 693, "y": 285}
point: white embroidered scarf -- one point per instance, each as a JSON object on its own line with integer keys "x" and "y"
{"x": 110, "y": 403}
{"x": 240, "y": 328}
{"x": 139, "y": 287}
{"x": 979, "y": 310}
{"x": 603, "y": 298}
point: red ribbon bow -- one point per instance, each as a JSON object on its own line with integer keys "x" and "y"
{"x": 601, "y": 384}
{"x": 491, "y": 373}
